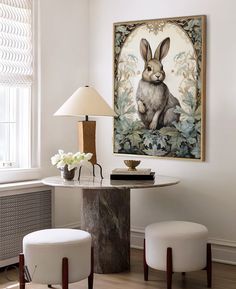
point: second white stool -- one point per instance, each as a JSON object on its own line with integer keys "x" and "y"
{"x": 177, "y": 246}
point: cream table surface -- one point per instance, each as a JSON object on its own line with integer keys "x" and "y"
{"x": 98, "y": 183}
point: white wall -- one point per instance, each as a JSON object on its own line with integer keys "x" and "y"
{"x": 64, "y": 67}
{"x": 207, "y": 192}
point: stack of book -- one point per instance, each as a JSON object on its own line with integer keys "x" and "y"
{"x": 138, "y": 174}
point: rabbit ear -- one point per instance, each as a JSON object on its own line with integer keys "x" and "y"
{"x": 162, "y": 49}
{"x": 145, "y": 50}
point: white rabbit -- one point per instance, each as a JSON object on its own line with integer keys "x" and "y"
{"x": 156, "y": 104}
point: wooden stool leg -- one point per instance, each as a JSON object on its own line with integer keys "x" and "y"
{"x": 169, "y": 267}
{"x": 21, "y": 271}
{"x": 145, "y": 265}
{"x": 90, "y": 277}
{"x": 49, "y": 286}
{"x": 65, "y": 273}
{"x": 209, "y": 266}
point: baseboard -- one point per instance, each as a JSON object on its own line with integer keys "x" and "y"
{"x": 223, "y": 251}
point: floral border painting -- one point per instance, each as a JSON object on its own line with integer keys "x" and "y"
{"x": 159, "y": 87}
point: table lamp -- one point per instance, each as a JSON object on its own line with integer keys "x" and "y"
{"x": 86, "y": 101}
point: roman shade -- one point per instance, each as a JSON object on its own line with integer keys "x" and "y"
{"x": 16, "y": 51}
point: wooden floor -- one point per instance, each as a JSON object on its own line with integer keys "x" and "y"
{"x": 224, "y": 277}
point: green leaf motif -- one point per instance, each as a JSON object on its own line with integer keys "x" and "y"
{"x": 154, "y": 151}
{"x": 176, "y": 142}
{"x": 185, "y": 127}
{"x": 169, "y": 131}
{"x": 196, "y": 151}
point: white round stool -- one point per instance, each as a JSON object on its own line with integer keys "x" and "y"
{"x": 177, "y": 246}
{"x": 56, "y": 256}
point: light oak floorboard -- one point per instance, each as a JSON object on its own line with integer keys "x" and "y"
{"x": 224, "y": 277}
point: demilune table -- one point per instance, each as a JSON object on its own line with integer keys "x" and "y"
{"x": 105, "y": 213}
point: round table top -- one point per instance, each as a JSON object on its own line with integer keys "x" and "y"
{"x": 98, "y": 183}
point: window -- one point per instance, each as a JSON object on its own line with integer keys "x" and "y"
{"x": 15, "y": 127}
{"x": 16, "y": 84}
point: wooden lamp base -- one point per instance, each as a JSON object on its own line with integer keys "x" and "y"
{"x": 87, "y": 142}
{"x": 87, "y": 138}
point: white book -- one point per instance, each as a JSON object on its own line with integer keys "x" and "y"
{"x": 125, "y": 171}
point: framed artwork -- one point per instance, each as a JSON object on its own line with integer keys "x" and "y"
{"x": 159, "y": 87}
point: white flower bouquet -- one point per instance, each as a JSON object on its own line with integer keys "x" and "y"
{"x": 62, "y": 159}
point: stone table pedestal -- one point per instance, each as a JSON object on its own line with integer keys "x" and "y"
{"x": 105, "y": 214}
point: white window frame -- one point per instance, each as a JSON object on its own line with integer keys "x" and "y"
{"x": 34, "y": 172}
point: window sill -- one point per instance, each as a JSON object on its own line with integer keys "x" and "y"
{"x": 21, "y": 185}
{"x": 8, "y": 176}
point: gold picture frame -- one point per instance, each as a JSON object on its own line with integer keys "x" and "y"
{"x": 159, "y": 87}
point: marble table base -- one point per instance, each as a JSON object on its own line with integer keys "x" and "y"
{"x": 106, "y": 215}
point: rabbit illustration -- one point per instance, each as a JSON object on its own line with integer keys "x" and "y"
{"x": 156, "y": 104}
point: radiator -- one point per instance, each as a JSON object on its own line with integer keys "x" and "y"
{"x": 21, "y": 214}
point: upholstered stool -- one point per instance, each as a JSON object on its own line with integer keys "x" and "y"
{"x": 56, "y": 256}
{"x": 177, "y": 246}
